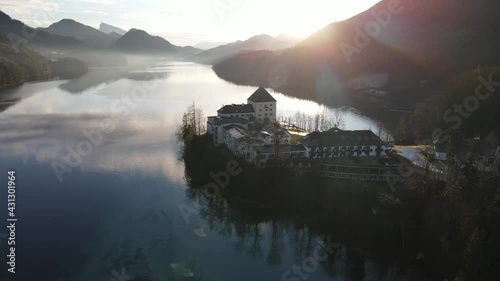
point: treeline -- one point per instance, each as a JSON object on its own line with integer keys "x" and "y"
{"x": 463, "y": 212}
{"x": 21, "y": 64}
{"x": 468, "y": 104}
{"x": 323, "y": 120}
{"x": 11, "y": 74}
{"x": 457, "y": 219}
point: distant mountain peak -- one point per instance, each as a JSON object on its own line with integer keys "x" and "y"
{"x": 13, "y": 26}
{"x": 255, "y": 43}
{"x": 68, "y": 21}
{"x": 107, "y": 28}
{"x": 90, "y": 36}
{"x": 138, "y": 31}
{"x": 205, "y": 45}
{"x": 137, "y": 40}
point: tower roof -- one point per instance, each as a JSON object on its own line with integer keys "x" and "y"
{"x": 261, "y": 95}
{"x": 236, "y": 108}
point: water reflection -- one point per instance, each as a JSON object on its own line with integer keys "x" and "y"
{"x": 284, "y": 220}
{"x": 109, "y": 75}
{"x": 120, "y": 206}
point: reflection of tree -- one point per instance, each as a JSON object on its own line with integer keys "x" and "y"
{"x": 261, "y": 204}
{"x": 277, "y": 244}
{"x": 254, "y": 250}
{"x": 302, "y": 238}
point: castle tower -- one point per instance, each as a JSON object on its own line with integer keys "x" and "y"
{"x": 264, "y": 105}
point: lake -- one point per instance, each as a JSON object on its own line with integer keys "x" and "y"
{"x": 117, "y": 210}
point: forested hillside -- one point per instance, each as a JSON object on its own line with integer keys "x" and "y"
{"x": 468, "y": 104}
{"x": 23, "y": 65}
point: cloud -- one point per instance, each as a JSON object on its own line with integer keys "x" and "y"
{"x": 171, "y": 13}
{"x": 99, "y": 13}
{"x": 100, "y": 2}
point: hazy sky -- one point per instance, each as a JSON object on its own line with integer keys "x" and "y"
{"x": 190, "y": 21}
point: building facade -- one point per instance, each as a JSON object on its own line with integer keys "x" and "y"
{"x": 216, "y": 125}
{"x": 240, "y": 143}
{"x": 260, "y": 108}
{"x": 336, "y": 143}
{"x": 264, "y": 105}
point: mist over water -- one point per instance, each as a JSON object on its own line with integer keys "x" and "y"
{"x": 118, "y": 205}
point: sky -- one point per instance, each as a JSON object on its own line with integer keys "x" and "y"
{"x": 187, "y": 22}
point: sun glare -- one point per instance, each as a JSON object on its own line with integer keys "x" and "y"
{"x": 304, "y": 20}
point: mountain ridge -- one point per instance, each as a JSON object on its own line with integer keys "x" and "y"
{"x": 90, "y": 36}
{"x": 108, "y": 29}
{"x": 257, "y": 42}
{"x": 426, "y": 41}
{"x": 16, "y": 30}
{"x": 139, "y": 41}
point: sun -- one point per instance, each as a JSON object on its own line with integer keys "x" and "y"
{"x": 303, "y": 19}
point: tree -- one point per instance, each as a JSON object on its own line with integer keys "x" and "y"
{"x": 193, "y": 124}
{"x": 278, "y": 134}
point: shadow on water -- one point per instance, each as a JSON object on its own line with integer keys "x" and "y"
{"x": 6, "y": 102}
{"x": 12, "y": 96}
{"x": 268, "y": 210}
{"x": 97, "y": 77}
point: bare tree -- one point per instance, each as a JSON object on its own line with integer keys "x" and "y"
{"x": 278, "y": 134}
{"x": 193, "y": 123}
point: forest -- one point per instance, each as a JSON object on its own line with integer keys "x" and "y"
{"x": 468, "y": 104}
{"x": 22, "y": 64}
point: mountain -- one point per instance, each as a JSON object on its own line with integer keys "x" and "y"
{"x": 115, "y": 36}
{"x": 140, "y": 42}
{"x": 18, "y": 32}
{"x": 259, "y": 42}
{"x": 107, "y": 28}
{"x": 90, "y": 36}
{"x": 206, "y": 45}
{"x": 413, "y": 43}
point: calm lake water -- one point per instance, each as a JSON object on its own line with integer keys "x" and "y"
{"x": 115, "y": 212}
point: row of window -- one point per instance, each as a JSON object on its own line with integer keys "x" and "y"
{"x": 241, "y": 115}
{"x": 285, "y": 155}
{"x": 346, "y": 148}
{"x": 334, "y": 155}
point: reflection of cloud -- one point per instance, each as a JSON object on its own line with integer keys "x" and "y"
{"x": 100, "y": 76}
{"x": 139, "y": 144}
